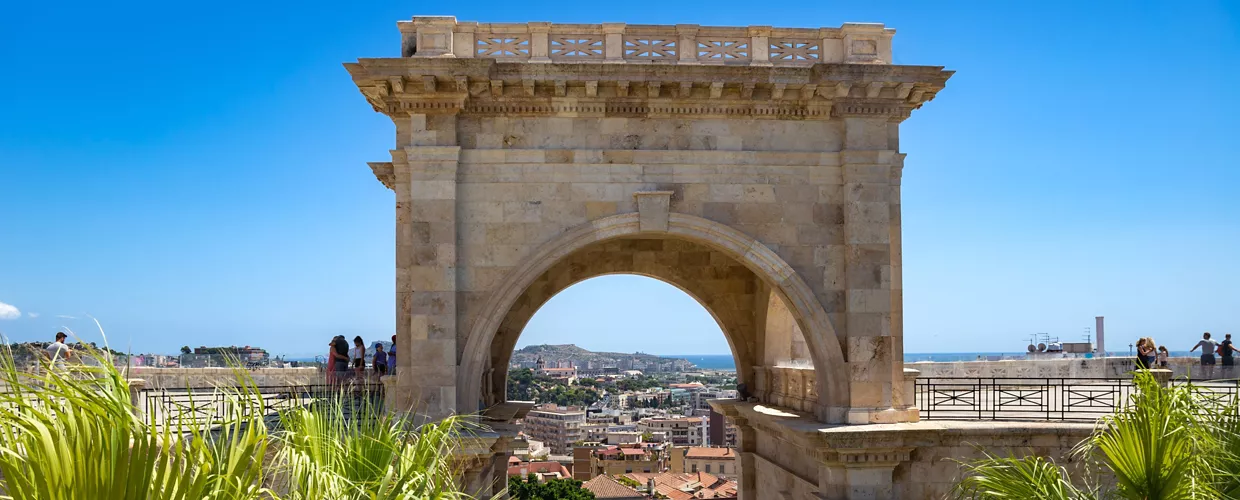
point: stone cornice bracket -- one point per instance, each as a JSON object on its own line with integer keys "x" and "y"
{"x": 653, "y": 210}
{"x": 872, "y": 457}
{"x": 887, "y": 109}
{"x": 385, "y": 172}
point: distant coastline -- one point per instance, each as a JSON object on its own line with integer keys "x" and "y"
{"x": 725, "y": 362}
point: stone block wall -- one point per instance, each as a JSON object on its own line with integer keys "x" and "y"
{"x": 788, "y": 163}
{"x": 204, "y": 378}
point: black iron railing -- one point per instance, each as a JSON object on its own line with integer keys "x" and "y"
{"x": 1042, "y": 399}
{"x": 208, "y": 407}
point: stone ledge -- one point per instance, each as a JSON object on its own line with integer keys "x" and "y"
{"x": 803, "y": 429}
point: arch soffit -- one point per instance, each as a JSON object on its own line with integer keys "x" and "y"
{"x": 738, "y": 345}
{"x": 832, "y": 372}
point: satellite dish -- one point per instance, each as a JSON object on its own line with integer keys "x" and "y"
{"x": 1033, "y": 348}
{"x": 1041, "y": 347}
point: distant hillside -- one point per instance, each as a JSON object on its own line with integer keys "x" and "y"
{"x": 529, "y": 355}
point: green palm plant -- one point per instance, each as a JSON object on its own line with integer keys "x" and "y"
{"x": 1166, "y": 444}
{"x": 76, "y": 433}
{"x": 346, "y": 449}
{"x": 70, "y": 435}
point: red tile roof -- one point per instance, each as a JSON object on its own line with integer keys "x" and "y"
{"x": 539, "y": 468}
{"x": 668, "y": 491}
{"x": 704, "y": 452}
{"x": 606, "y": 487}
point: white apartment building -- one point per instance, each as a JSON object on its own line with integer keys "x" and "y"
{"x": 684, "y": 431}
{"x": 558, "y": 428}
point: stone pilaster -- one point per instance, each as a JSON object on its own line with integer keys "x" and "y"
{"x": 746, "y": 446}
{"x": 426, "y": 280}
{"x": 873, "y": 348}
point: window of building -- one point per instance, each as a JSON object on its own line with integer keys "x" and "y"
{"x": 694, "y": 468}
{"x": 708, "y": 468}
{"x": 723, "y": 469}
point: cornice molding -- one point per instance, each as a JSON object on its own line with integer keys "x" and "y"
{"x": 401, "y": 86}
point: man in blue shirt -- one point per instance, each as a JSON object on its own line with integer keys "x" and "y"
{"x": 381, "y": 360}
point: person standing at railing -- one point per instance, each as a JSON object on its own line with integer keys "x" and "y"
{"x": 381, "y": 360}
{"x": 340, "y": 353}
{"x": 330, "y": 373}
{"x": 1145, "y": 353}
{"x": 1163, "y": 357}
{"x": 57, "y": 352}
{"x": 392, "y": 357}
{"x": 1207, "y": 347}
{"x": 358, "y": 355}
{"x": 1226, "y": 350}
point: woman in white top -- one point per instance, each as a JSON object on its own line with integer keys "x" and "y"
{"x": 358, "y": 355}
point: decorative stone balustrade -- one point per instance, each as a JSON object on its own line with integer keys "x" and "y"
{"x": 852, "y": 43}
{"x": 789, "y": 387}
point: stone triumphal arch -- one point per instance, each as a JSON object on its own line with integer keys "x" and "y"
{"x": 755, "y": 168}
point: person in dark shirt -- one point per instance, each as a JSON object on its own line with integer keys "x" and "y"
{"x": 340, "y": 352}
{"x": 1226, "y": 350}
{"x": 380, "y": 361}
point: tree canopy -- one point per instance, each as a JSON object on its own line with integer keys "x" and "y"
{"x": 552, "y": 489}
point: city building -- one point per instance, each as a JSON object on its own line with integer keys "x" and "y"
{"x": 683, "y": 431}
{"x": 592, "y": 461}
{"x": 558, "y": 428}
{"x": 718, "y": 461}
{"x": 204, "y": 356}
{"x": 563, "y": 371}
{"x": 616, "y": 437}
{"x": 699, "y": 400}
{"x": 595, "y": 433}
{"x": 720, "y": 432}
{"x": 541, "y": 470}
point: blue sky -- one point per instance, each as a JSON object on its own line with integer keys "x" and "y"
{"x": 195, "y": 174}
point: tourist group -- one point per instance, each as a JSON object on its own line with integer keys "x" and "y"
{"x": 344, "y": 363}
{"x": 1149, "y": 356}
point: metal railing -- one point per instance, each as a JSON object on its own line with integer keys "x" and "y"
{"x": 209, "y": 407}
{"x": 1043, "y": 399}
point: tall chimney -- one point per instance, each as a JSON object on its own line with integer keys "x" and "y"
{"x": 1102, "y": 344}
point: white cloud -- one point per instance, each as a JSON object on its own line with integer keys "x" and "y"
{"x": 65, "y": 316}
{"x": 32, "y": 315}
{"x": 9, "y": 312}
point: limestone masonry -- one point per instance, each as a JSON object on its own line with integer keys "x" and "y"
{"x": 756, "y": 168}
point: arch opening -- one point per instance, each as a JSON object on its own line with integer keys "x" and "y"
{"x": 735, "y": 278}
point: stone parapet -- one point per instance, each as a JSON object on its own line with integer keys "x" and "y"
{"x": 1108, "y": 368}
{"x": 808, "y": 459}
{"x": 620, "y": 43}
{"x": 200, "y": 378}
